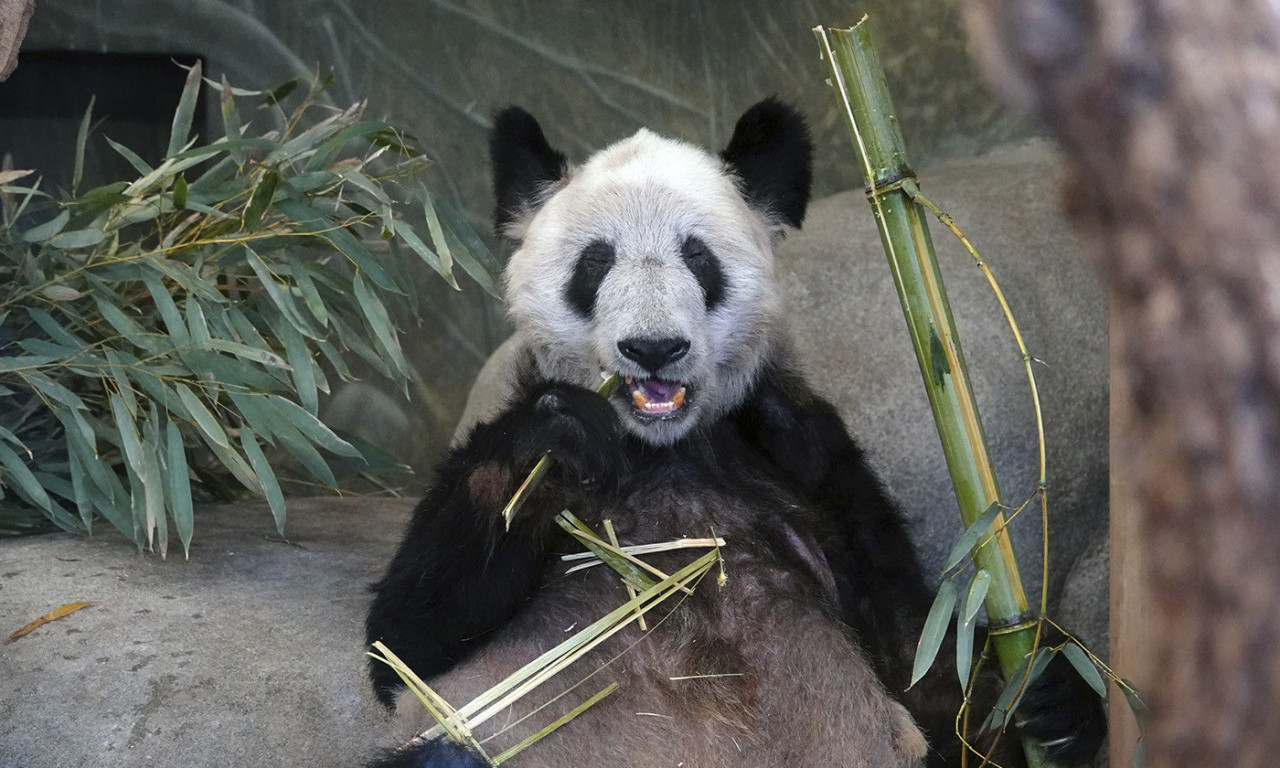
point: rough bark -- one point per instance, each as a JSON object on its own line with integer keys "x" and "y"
{"x": 14, "y": 15}
{"x": 1170, "y": 113}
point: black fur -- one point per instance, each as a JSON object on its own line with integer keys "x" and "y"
{"x": 457, "y": 575}
{"x": 771, "y": 153}
{"x": 437, "y": 753}
{"x": 593, "y": 264}
{"x": 523, "y": 163}
{"x": 706, "y": 267}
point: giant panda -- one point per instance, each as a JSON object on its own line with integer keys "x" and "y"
{"x": 654, "y": 259}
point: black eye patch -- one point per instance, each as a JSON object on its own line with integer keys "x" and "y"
{"x": 594, "y": 263}
{"x": 706, "y": 268}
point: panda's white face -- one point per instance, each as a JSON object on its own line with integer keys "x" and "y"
{"x": 648, "y": 261}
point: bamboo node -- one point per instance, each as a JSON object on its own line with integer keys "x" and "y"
{"x": 1017, "y": 625}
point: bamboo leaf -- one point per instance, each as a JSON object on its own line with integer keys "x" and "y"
{"x": 1135, "y": 702}
{"x": 54, "y": 615}
{"x": 244, "y": 351}
{"x": 978, "y": 587}
{"x": 470, "y": 251}
{"x": 79, "y": 238}
{"x": 1016, "y": 686}
{"x": 1085, "y": 666}
{"x": 279, "y": 295}
{"x": 315, "y": 430}
{"x": 231, "y": 120}
{"x": 270, "y": 487}
{"x": 128, "y": 433}
{"x": 197, "y": 325}
{"x": 201, "y": 416}
{"x": 340, "y": 238}
{"x": 964, "y": 650}
{"x": 174, "y": 324}
{"x": 262, "y": 196}
{"x": 610, "y": 556}
{"x": 53, "y": 390}
{"x": 153, "y": 483}
{"x": 977, "y": 531}
{"x": 53, "y": 328}
{"x": 375, "y": 314}
{"x": 84, "y": 504}
{"x": 279, "y": 93}
{"x": 180, "y": 191}
{"x": 178, "y": 485}
{"x": 935, "y": 628}
{"x": 137, "y": 162}
{"x": 310, "y": 296}
{"x": 183, "y": 115}
{"x": 299, "y": 357}
{"x": 426, "y": 254}
{"x": 437, "y": 236}
{"x": 43, "y": 232}
{"x": 60, "y": 293}
{"x": 8, "y": 177}
{"x": 82, "y": 139}
{"x": 22, "y": 480}
{"x": 965, "y": 625}
{"x": 238, "y": 468}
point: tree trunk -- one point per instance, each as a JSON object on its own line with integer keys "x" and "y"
{"x": 1170, "y": 113}
{"x": 14, "y": 16}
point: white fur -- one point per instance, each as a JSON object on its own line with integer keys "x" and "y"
{"x": 645, "y": 195}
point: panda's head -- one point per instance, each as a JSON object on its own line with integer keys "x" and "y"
{"x": 653, "y": 258}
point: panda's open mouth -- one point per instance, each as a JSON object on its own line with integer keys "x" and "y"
{"x": 657, "y": 398}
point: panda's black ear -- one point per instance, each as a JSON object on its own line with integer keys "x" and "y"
{"x": 772, "y": 155}
{"x": 523, "y": 164}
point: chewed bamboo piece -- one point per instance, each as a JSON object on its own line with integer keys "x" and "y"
{"x": 534, "y": 477}
{"x": 641, "y": 549}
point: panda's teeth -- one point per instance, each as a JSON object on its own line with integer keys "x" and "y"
{"x": 648, "y": 403}
{"x": 639, "y": 399}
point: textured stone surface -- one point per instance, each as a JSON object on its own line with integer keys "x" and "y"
{"x": 248, "y": 654}
{"x": 849, "y": 328}
{"x": 594, "y": 73}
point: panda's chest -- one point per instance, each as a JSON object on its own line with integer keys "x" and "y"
{"x": 677, "y": 498}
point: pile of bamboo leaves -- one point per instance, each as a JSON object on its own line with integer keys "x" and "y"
{"x": 162, "y": 335}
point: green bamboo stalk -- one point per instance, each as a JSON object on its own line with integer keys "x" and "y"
{"x": 863, "y": 98}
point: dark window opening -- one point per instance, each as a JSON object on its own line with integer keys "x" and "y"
{"x": 43, "y": 102}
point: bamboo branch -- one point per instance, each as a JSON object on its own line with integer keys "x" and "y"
{"x": 863, "y": 98}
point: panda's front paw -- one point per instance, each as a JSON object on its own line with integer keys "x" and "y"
{"x": 1063, "y": 714}
{"x": 578, "y": 427}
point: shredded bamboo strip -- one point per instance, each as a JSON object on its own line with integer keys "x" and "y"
{"x": 631, "y": 590}
{"x": 648, "y": 549}
{"x": 459, "y": 723}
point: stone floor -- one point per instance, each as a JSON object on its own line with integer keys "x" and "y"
{"x": 248, "y": 654}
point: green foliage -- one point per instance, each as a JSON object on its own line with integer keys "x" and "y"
{"x": 156, "y": 334}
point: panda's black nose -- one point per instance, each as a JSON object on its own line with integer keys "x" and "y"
{"x": 653, "y": 353}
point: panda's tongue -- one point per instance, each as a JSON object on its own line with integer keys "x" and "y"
{"x": 656, "y": 396}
